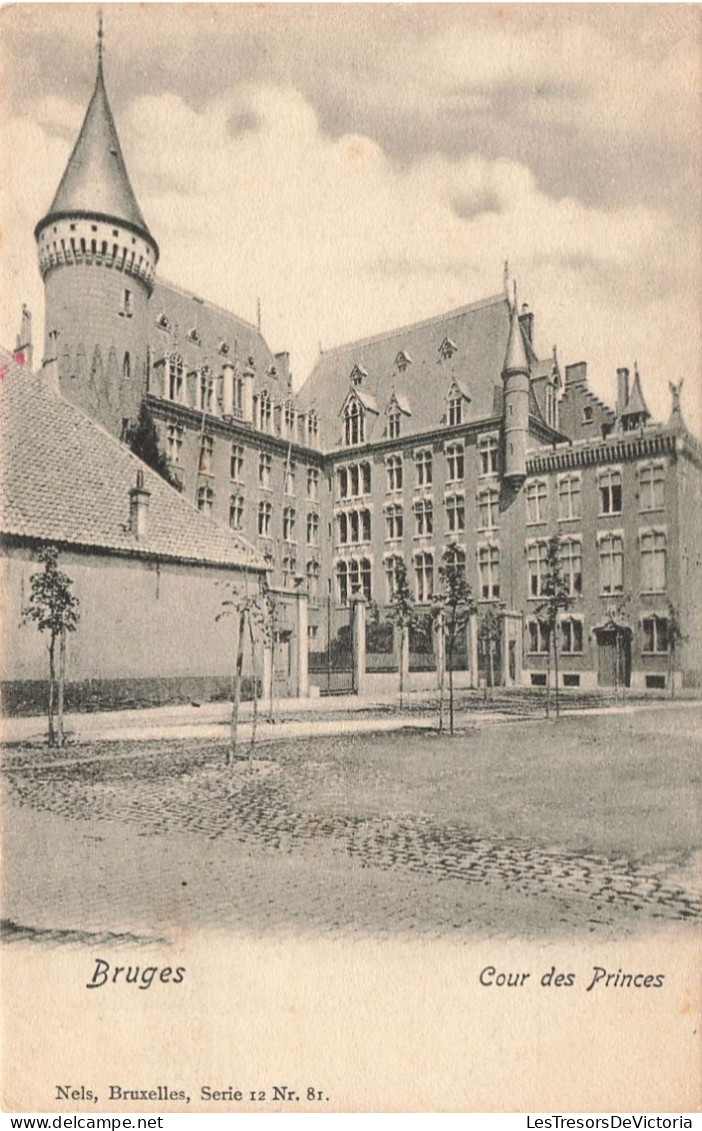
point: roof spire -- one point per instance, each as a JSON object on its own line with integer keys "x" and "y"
{"x": 515, "y": 356}
{"x": 100, "y": 37}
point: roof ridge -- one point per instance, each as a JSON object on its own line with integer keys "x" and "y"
{"x": 493, "y": 300}
{"x": 185, "y": 293}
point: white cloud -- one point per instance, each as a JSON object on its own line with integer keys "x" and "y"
{"x": 340, "y": 241}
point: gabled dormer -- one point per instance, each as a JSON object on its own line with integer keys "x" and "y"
{"x": 402, "y": 361}
{"x": 397, "y": 408}
{"x": 457, "y": 399}
{"x": 447, "y": 349}
{"x": 357, "y": 375}
{"x": 354, "y": 412}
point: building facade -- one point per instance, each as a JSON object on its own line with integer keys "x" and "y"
{"x": 450, "y": 431}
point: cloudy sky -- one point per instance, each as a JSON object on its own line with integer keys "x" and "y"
{"x": 363, "y": 166}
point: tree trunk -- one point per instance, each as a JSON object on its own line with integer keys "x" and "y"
{"x": 236, "y": 689}
{"x": 271, "y": 689}
{"x": 450, "y": 675}
{"x": 442, "y": 676}
{"x": 671, "y": 671}
{"x": 61, "y": 683}
{"x": 548, "y": 676}
{"x": 52, "y": 685}
{"x": 254, "y": 720}
{"x": 491, "y": 664}
{"x": 403, "y": 631}
{"x": 555, "y": 665}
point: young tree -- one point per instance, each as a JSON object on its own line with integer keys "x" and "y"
{"x": 557, "y": 599}
{"x": 240, "y": 605}
{"x": 401, "y": 613}
{"x": 142, "y": 438}
{"x": 675, "y": 637}
{"x": 53, "y": 607}
{"x": 453, "y": 605}
{"x": 489, "y": 633}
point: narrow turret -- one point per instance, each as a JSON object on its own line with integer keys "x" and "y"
{"x": 515, "y": 377}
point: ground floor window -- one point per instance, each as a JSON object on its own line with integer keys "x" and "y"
{"x": 655, "y": 634}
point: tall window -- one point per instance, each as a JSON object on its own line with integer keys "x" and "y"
{"x": 265, "y": 510}
{"x": 289, "y": 524}
{"x": 611, "y": 492}
{"x": 354, "y": 424}
{"x": 264, "y": 470}
{"x": 353, "y": 577}
{"x": 571, "y": 559}
{"x": 289, "y": 569}
{"x": 538, "y": 637}
{"x": 423, "y": 466}
{"x": 205, "y": 499}
{"x": 366, "y": 478}
{"x": 537, "y": 565}
{"x": 127, "y": 301}
{"x": 236, "y": 463}
{"x": 651, "y": 487}
{"x": 569, "y": 497}
{"x": 489, "y": 571}
{"x": 611, "y": 551}
{"x": 655, "y": 633}
{"x": 313, "y": 427}
{"x": 175, "y": 378}
{"x": 394, "y": 470}
{"x": 393, "y": 520}
{"x": 238, "y": 395}
{"x": 488, "y": 509}
{"x": 206, "y": 450}
{"x": 424, "y": 516}
{"x": 455, "y": 407}
{"x": 393, "y": 565}
{"x": 312, "y": 528}
{"x": 394, "y": 419}
{"x": 653, "y": 551}
{"x": 455, "y": 513}
{"x": 175, "y": 442}
{"x": 536, "y": 499}
{"x": 489, "y": 452}
{"x": 312, "y": 483}
{"x": 424, "y": 576}
{"x": 342, "y": 477}
{"x": 455, "y": 463}
{"x": 312, "y": 573}
{"x": 236, "y": 512}
{"x": 289, "y": 418}
{"x": 265, "y": 412}
{"x": 571, "y": 636}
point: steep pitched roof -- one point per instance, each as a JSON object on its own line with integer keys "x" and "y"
{"x": 636, "y": 405}
{"x": 95, "y": 179}
{"x": 216, "y": 328}
{"x": 63, "y": 479}
{"x": 516, "y": 356}
{"x": 478, "y": 333}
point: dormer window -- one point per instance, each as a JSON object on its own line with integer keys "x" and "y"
{"x": 271, "y": 371}
{"x": 447, "y": 349}
{"x": 455, "y": 406}
{"x": 354, "y": 423}
{"x": 313, "y": 425}
{"x": 394, "y": 419}
{"x": 194, "y": 337}
{"x": 289, "y": 417}
{"x": 265, "y": 412}
{"x": 175, "y": 377}
{"x": 588, "y": 414}
{"x": 402, "y": 361}
{"x": 224, "y": 348}
{"x": 162, "y": 322}
{"x": 357, "y": 375}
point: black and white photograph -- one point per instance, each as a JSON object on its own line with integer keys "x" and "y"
{"x": 350, "y": 515}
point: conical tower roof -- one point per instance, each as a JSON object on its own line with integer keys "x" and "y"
{"x": 95, "y": 181}
{"x": 636, "y": 405}
{"x": 516, "y": 357}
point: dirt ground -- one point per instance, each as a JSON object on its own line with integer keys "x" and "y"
{"x": 519, "y": 828}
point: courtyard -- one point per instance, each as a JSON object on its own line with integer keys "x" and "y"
{"x": 514, "y": 827}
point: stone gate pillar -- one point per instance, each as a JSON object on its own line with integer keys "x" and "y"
{"x": 303, "y": 684}
{"x": 358, "y": 636}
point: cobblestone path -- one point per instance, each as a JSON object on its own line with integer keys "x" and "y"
{"x": 292, "y": 840}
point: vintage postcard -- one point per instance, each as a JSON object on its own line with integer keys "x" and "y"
{"x": 351, "y": 457}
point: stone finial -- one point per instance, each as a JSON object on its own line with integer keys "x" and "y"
{"x": 675, "y": 387}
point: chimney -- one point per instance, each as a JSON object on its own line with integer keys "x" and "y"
{"x": 526, "y": 321}
{"x": 138, "y": 507}
{"x": 622, "y": 390}
{"x": 282, "y": 361}
{"x": 576, "y": 374}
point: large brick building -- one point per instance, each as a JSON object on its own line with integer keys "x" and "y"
{"x": 449, "y": 430}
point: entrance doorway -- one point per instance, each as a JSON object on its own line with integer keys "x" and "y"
{"x": 613, "y": 657}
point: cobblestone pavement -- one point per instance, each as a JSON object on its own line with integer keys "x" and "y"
{"x": 388, "y": 834}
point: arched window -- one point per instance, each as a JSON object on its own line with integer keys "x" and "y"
{"x": 455, "y": 407}
{"x": 354, "y": 424}
{"x": 126, "y": 367}
{"x": 175, "y": 377}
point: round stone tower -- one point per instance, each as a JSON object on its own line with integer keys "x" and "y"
{"x": 515, "y": 377}
{"x": 97, "y": 259}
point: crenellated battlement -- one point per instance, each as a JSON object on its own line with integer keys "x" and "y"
{"x": 68, "y": 241}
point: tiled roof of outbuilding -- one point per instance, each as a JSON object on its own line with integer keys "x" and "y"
{"x": 478, "y": 334}
{"x": 65, "y": 480}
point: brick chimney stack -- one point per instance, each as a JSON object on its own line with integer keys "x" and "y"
{"x": 138, "y": 507}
